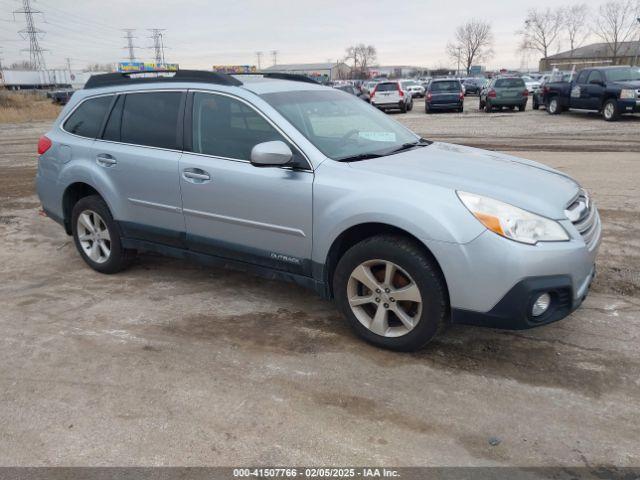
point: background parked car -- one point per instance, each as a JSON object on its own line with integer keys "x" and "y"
{"x": 531, "y": 83}
{"x": 354, "y": 91}
{"x": 510, "y": 92}
{"x": 413, "y": 87}
{"x": 390, "y": 96}
{"x": 472, "y": 85}
{"x": 446, "y": 94}
{"x": 609, "y": 90}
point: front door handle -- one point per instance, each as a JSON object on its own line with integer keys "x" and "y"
{"x": 195, "y": 175}
{"x": 105, "y": 160}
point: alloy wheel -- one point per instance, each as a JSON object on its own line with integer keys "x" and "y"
{"x": 384, "y": 298}
{"x": 609, "y": 110}
{"x": 93, "y": 236}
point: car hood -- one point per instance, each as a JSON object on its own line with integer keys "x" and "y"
{"x": 523, "y": 183}
{"x": 629, "y": 84}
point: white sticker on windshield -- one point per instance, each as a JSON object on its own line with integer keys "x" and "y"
{"x": 378, "y": 136}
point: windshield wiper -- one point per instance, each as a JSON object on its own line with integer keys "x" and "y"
{"x": 360, "y": 156}
{"x": 423, "y": 142}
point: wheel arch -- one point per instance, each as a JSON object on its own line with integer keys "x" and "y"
{"x": 357, "y": 233}
{"x": 72, "y": 194}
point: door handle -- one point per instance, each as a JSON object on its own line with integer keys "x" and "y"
{"x": 195, "y": 175}
{"x": 105, "y": 160}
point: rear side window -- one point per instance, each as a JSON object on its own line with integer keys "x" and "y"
{"x": 510, "y": 83}
{"x": 386, "y": 87}
{"x": 87, "y": 119}
{"x": 225, "y": 127}
{"x": 151, "y": 119}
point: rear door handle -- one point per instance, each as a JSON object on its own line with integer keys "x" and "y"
{"x": 195, "y": 175}
{"x": 105, "y": 160}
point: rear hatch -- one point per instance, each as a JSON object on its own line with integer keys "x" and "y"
{"x": 445, "y": 92}
{"x": 387, "y": 92}
{"x": 509, "y": 89}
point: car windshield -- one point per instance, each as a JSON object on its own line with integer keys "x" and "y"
{"x": 409, "y": 83}
{"x": 451, "y": 86}
{"x": 509, "y": 83}
{"x": 623, "y": 74}
{"x": 341, "y": 126}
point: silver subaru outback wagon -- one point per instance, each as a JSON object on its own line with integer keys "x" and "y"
{"x": 292, "y": 180}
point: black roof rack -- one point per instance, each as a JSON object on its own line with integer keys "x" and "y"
{"x": 294, "y": 77}
{"x": 158, "y": 76}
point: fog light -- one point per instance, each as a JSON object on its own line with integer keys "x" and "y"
{"x": 541, "y": 305}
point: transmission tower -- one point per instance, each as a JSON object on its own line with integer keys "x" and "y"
{"x": 36, "y": 58}
{"x": 258, "y": 60}
{"x": 274, "y": 56}
{"x": 130, "y": 46}
{"x": 158, "y": 44}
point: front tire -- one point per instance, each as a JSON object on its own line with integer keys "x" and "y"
{"x": 391, "y": 293}
{"x": 610, "y": 110}
{"x": 97, "y": 236}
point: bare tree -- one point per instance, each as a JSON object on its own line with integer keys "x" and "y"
{"x": 473, "y": 43}
{"x": 362, "y": 57}
{"x": 575, "y": 23}
{"x": 542, "y": 30}
{"x": 616, "y": 23}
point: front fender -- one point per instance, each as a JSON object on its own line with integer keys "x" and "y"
{"x": 429, "y": 213}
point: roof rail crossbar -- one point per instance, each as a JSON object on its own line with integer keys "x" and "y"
{"x": 158, "y": 76}
{"x": 294, "y": 77}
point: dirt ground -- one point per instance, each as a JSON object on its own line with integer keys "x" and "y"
{"x": 171, "y": 363}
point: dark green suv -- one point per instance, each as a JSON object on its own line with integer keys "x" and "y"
{"x": 510, "y": 92}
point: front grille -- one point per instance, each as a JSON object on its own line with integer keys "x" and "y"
{"x": 584, "y": 216}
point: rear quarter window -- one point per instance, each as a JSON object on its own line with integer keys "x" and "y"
{"x": 87, "y": 119}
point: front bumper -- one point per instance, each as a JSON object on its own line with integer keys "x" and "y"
{"x": 493, "y": 281}
{"x": 513, "y": 312}
{"x": 629, "y": 106}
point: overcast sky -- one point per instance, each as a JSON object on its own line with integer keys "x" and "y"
{"x": 201, "y": 33}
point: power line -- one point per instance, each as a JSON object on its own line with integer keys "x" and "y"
{"x": 130, "y": 46}
{"x": 36, "y": 58}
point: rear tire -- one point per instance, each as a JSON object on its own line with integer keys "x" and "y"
{"x": 403, "y": 108}
{"x": 522, "y": 108}
{"x": 487, "y": 107}
{"x": 97, "y": 236}
{"x": 553, "y": 106}
{"x": 535, "y": 105}
{"x": 418, "y": 319}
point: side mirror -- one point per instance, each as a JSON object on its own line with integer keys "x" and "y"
{"x": 271, "y": 154}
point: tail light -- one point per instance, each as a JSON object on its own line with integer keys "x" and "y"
{"x": 491, "y": 94}
{"x": 461, "y": 95}
{"x": 429, "y": 96}
{"x": 525, "y": 93}
{"x": 372, "y": 93}
{"x": 400, "y": 92}
{"x": 44, "y": 144}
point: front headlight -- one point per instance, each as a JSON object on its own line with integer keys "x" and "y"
{"x": 627, "y": 94}
{"x": 513, "y": 222}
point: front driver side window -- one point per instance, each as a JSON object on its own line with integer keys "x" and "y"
{"x": 226, "y": 127}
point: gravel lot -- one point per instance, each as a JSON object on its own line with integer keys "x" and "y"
{"x": 170, "y": 363}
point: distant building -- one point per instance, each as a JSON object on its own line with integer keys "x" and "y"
{"x": 322, "y": 72}
{"x": 395, "y": 71}
{"x": 597, "y": 54}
